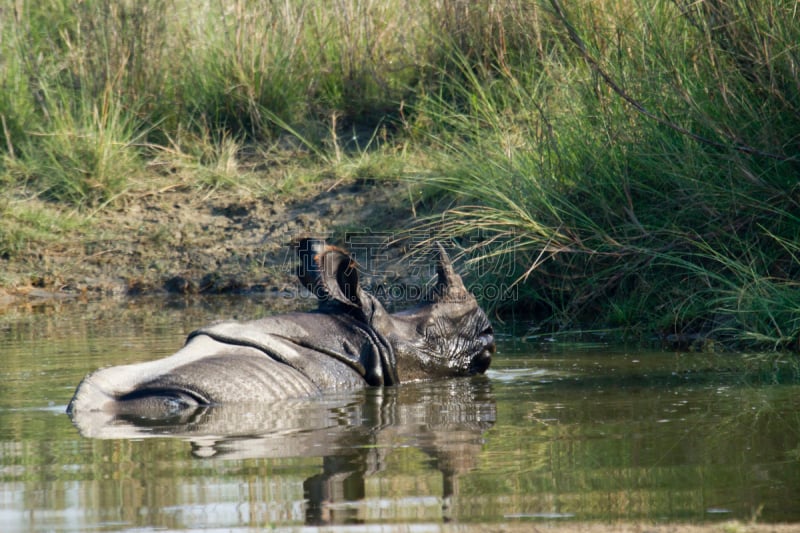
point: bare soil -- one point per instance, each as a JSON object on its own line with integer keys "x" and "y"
{"x": 179, "y": 241}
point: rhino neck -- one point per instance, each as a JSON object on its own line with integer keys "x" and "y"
{"x": 367, "y": 325}
{"x": 376, "y": 324}
{"x": 379, "y": 361}
{"x": 367, "y": 321}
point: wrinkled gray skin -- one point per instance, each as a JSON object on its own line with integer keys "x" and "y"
{"x": 350, "y": 341}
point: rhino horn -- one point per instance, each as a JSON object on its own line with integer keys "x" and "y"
{"x": 449, "y": 286}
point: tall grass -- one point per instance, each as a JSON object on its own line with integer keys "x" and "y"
{"x": 70, "y": 126}
{"x": 642, "y": 173}
{"x": 623, "y": 164}
{"x": 116, "y": 79}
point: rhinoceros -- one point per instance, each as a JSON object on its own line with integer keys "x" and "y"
{"x": 349, "y": 341}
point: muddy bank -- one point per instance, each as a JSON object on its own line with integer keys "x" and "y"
{"x": 179, "y": 241}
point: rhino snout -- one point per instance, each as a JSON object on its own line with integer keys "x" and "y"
{"x": 480, "y": 363}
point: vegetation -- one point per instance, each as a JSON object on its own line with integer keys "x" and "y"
{"x": 640, "y": 165}
{"x": 622, "y": 164}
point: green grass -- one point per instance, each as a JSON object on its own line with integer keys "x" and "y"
{"x": 643, "y": 178}
{"x": 626, "y": 165}
{"x": 27, "y": 225}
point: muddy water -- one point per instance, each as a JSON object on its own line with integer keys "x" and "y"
{"x": 554, "y": 433}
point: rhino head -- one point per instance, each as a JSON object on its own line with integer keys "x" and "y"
{"x": 448, "y": 334}
{"x": 350, "y": 341}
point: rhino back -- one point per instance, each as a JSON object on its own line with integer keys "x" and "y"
{"x": 244, "y": 374}
{"x": 261, "y": 360}
{"x": 250, "y": 363}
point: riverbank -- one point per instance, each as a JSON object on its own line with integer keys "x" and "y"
{"x": 181, "y": 240}
{"x": 618, "y": 167}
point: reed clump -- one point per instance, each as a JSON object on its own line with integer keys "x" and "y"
{"x": 621, "y": 165}
{"x": 638, "y": 167}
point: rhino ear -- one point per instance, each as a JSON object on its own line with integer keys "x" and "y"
{"x": 328, "y": 272}
{"x": 449, "y": 286}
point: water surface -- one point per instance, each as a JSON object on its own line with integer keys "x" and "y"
{"x": 552, "y": 433}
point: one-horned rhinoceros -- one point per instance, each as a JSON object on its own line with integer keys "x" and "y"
{"x": 350, "y": 341}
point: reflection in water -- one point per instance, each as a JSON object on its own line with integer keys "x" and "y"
{"x": 550, "y": 435}
{"x": 353, "y": 433}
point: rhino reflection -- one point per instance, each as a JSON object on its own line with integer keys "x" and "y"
{"x": 353, "y": 433}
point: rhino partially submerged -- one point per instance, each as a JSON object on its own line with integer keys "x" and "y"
{"x": 350, "y": 341}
